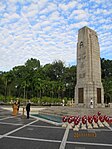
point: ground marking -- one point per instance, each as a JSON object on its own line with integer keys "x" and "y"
{"x": 6, "y": 118}
{"x": 33, "y": 139}
{"x": 48, "y": 121}
{"x": 17, "y": 129}
{"x": 63, "y": 142}
{"x": 110, "y": 128}
{"x": 47, "y": 126}
{"x": 9, "y": 123}
{"x": 86, "y": 143}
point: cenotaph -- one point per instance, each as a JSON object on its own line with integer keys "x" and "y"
{"x": 89, "y": 89}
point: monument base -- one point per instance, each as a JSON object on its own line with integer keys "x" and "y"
{"x": 69, "y": 110}
{"x": 110, "y": 105}
{"x": 89, "y": 95}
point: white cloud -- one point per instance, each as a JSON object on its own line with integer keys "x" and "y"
{"x": 31, "y": 13}
{"x": 33, "y": 9}
{"x": 2, "y": 7}
{"x": 42, "y": 4}
{"x": 51, "y": 7}
{"x": 48, "y": 30}
{"x": 63, "y": 7}
{"x": 78, "y": 25}
{"x": 13, "y": 1}
{"x": 109, "y": 26}
{"x": 11, "y": 8}
{"x": 10, "y": 17}
{"x": 54, "y": 16}
{"x": 37, "y": 27}
{"x": 70, "y": 5}
{"x": 98, "y": 1}
{"x": 79, "y": 15}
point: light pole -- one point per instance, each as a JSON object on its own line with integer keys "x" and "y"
{"x": 16, "y": 90}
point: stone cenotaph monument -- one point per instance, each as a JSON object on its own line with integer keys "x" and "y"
{"x": 89, "y": 89}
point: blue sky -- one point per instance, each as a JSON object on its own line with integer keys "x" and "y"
{"x": 47, "y": 29}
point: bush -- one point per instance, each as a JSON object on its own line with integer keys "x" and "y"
{"x": 1, "y": 98}
{"x": 47, "y": 101}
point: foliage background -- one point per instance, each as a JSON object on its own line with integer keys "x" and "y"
{"x": 47, "y": 84}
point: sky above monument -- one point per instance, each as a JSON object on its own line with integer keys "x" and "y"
{"x": 47, "y": 29}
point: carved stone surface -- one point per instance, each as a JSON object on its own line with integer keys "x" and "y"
{"x": 88, "y": 68}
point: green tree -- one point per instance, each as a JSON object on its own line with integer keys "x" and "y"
{"x": 106, "y": 67}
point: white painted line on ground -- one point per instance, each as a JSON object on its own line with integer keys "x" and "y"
{"x": 110, "y": 128}
{"x": 63, "y": 142}
{"x": 47, "y": 126}
{"x": 86, "y": 143}
{"x": 48, "y": 121}
{"x": 17, "y": 129}
{"x": 10, "y": 123}
{"x": 6, "y": 118}
{"x": 33, "y": 139}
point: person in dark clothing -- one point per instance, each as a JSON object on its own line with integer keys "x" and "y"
{"x": 28, "y": 109}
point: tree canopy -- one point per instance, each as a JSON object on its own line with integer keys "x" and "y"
{"x": 53, "y": 81}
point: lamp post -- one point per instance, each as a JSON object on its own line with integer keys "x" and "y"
{"x": 16, "y": 90}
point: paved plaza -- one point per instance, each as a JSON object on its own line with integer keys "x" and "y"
{"x": 34, "y": 133}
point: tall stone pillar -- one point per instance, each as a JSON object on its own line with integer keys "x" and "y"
{"x": 89, "y": 86}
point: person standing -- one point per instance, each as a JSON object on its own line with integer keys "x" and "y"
{"x": 28, "y": 109}
{"x": 14, "y": 113}
{"x": 91, "y": 103}
{"x": 18, "y": 105}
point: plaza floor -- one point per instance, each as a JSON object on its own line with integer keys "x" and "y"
{"x": 21, "y": 133}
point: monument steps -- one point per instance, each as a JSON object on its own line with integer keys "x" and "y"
{"x": 67, "y": 110}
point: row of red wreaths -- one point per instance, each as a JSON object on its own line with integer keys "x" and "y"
{"x": 84, "y": 119}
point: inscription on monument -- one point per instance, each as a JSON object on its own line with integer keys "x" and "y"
{"x": 82, "y": 75}
{"x": 81, "y": 44}
{"x": 82, "y": 65}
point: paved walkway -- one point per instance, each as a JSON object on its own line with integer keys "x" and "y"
{"x": 34, "y": 109}
{"x": 69, "y": 110}
{"x": 34, "y": 133}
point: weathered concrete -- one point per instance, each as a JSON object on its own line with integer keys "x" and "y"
{"x": 89, "y": 86}
{"x": 68, "y": 110}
